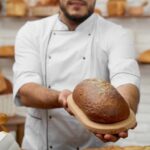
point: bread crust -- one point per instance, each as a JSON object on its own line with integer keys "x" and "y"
{"x": 100, "y": 101}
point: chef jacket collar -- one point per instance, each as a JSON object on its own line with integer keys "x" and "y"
{"x": 86, "y": 26}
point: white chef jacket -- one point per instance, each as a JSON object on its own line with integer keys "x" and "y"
{"x": 47, "y": 53}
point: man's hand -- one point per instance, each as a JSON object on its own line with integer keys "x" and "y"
{"x": 113, "y": 137}
{"x": 131, "y": 94}
{"x": 62, "y": 99}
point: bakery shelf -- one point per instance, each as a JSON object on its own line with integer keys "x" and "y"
{"x": 17, "y": 17}
{"x": 107, "y": 17}
{"x": 7, "y": 52}
{"x": 7, "y": 57}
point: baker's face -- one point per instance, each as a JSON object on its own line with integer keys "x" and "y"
{"x": 77, "y": 10}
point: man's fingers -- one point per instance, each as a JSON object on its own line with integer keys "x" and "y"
{"x": 123, "y": 134}
{"x": 100, "y": 136}
{"x": 63, "y": 97}
{"x": 62, "y": 100}
{"x": 107, "y": 137}
{"x": 112, "y": 138}
{"x": 65, "y": 103}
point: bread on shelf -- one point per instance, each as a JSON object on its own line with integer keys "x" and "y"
{"x": 7, "y": 87}
{"x": 7, "y": 51}
{"x": 42, "y": 11}
{"x": 3, "y": 118}
{"x": 97, "y": 11}
{"x": 135, "y": 148}
{"x": 136, "y": 11}
{"x": 16, "y": 8}
{"x": 144, "y": 57}
{"x": 3, "y": 85}
{"x": 116, "y": 7}
{"x": 49, "y": 2}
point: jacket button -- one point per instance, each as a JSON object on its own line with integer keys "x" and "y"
{"x": 49, "y": 57}
{"x": 78, "y": 148}
{"x": 89, "y": 34}
{"x": 51, "y": 147}
{"x": 50, "y": 117}
{"x": 83, "y": 58}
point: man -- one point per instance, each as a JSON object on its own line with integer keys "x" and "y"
{"x": 52, "y": 56}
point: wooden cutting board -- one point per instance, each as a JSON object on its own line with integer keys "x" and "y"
{"x": 101, "y": 128}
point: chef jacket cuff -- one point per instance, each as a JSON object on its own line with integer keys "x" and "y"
{"x": 20, "y": 83}
{"x": 125, "y": 78}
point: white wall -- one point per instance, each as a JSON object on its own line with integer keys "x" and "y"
{"x": 8, "y": 31}
{"x": 141, "y": 134}
{"x": 141, "y": 30}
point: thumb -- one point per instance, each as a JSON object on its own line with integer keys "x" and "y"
{"x": 62, "y": 100}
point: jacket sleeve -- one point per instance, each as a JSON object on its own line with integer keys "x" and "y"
{"x": 122, "y": 59}
{"x": 27, "y": 67}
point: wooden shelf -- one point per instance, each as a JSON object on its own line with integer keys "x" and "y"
{"x": 7, "y": 57}
{"x": 107, "y": 17}
{"x": 17, "y": 17}
{"x": 7, "y": 52}
{"x": 16, "y": 123}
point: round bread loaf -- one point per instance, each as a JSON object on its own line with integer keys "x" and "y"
{"x": 100, "y": 101}
{"x": 144, "y": 57}
{"x": 3, "y": 118}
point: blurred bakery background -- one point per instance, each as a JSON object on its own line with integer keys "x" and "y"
{"x": 132, "y": 14}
